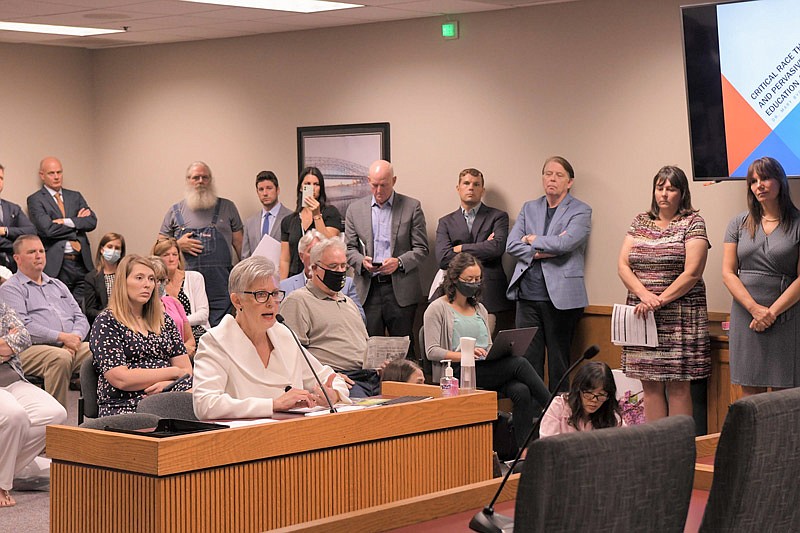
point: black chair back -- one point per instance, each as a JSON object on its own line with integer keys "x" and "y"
{"x": 635, "y": 478}
{"x": 757, "y": 466}
{"x": 87, "y": 403}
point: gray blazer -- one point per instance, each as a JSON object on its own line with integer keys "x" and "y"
{"x": 252, "y": 230}
{"x": 43, "y": 210}
{"x": 409, "y": 243}
{"x": 566, "y": 239}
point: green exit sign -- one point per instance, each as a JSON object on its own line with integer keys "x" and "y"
{"x": 450, "y": 30}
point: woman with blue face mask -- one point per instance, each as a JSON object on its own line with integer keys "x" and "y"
{"x": 99, "y": 282}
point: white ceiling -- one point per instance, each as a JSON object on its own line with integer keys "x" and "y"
{"x": 167, "y": 21}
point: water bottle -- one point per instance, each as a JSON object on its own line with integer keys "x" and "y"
{"x": 467, "y": 383}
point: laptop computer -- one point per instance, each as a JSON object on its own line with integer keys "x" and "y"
{"x": 511, "y": 342}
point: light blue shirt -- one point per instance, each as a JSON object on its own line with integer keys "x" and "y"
{"x": 67, "y": 221}
{"x": 46, "y": 310}
{"x": 382, "y": 230}
{"x": 469, "y": 326}
{"x": 272, "y": 214}
{"x": 469, "y": 216}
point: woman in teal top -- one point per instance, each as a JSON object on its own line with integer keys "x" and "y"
{"x": 460, "y": 314}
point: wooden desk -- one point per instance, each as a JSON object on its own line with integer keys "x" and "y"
{"x": 273, "y": 475}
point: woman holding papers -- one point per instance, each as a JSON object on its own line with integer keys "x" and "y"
{"x": 250, "y": 366}
{"x": 661, "y": 264}
{"x": 591, "y": 403}
{"x": 136, "y": 347}
{"x": 760, "y": 267}
{"x": 460, "y": 314}
{"x": 312, "y": 213}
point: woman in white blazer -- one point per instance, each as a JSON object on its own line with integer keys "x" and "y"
{"x": 250, "y": 366}
{"x": 187, "y": 286}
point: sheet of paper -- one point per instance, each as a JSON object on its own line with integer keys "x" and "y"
{"x": 243, "y": 423}
{"x": 379, "y": 349}
{"x": 269, "y": 248}
{"x": 627, "y": 329}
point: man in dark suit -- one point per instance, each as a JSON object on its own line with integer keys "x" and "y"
{"x": 13, "y": 223}
{"x": 268, "y": 220}
{"x": 62, "y": 219}
{"x": 481, "y": 231}
{"x": 386, "y": 242}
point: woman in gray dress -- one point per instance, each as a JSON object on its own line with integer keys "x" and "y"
{"x": 760, "y": 268}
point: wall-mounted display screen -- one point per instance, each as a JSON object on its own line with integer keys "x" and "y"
{"x": 742, "y": 64}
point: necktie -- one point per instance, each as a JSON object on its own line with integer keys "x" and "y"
{"x": 265, "y": 226}
{"x": 470, "y": 218}
{"x": 75, "y": 244}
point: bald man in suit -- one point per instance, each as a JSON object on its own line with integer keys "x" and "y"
{"x": 62, "y": 219}
{"x": 386, "y": 243}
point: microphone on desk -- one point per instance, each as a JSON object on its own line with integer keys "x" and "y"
{"x": 280, "y": 319}
{"x": 486, "y": 521}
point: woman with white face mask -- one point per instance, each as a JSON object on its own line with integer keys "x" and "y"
{"x": 99, "y": 282}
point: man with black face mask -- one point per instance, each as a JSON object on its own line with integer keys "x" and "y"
{"x": 298, "y": 281}
{"x": 327, "y": 322}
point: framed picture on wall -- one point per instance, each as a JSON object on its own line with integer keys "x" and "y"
{"x": 343, "y": 153}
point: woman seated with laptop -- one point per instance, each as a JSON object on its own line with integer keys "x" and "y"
{"x": 458, "y": 314}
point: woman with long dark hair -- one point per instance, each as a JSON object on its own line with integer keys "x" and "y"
{"x": 760, "y": 268}
{"x": 312, "y": 212}
{"x": 661, "y": 264}
{"x": 591, "y": 403}
{"x": 459, "y": 313}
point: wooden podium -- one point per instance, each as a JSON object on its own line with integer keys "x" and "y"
{"x": 262, "y": 477}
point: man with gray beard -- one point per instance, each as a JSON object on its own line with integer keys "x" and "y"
{"x": 206, "y": 226}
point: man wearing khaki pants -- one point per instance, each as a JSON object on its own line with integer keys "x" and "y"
{"x": 52, "y": 316}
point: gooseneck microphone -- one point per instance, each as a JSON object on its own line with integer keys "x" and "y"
{"x": 280, "y": 319}
{"x": 486, "y": 521}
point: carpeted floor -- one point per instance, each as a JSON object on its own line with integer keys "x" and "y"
{"x": 32, "y": 512}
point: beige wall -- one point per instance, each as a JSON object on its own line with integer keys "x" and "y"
{"x": 600, "y": 82}
{"x": 46, "y": 107}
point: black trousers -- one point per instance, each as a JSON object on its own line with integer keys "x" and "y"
{"x": 385, "y": 314}
{"x": 516, "y": 379}
{"x": 556, "y": 330}
{"x": 72, "y": 274}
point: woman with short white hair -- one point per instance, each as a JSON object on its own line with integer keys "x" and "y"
{"x": 250, "y": 366}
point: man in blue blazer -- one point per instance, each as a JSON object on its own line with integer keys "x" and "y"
{"x": 271, "y": 208}
{"x": 549, "y": 242}
{"x": 386, "y": 243}
{"x": 481, "y": 231}
{"x": 62, "y": 219}
{"x": 13, "y": 223}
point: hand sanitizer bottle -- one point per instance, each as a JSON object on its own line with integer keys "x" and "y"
{"x": 448, "y": 382}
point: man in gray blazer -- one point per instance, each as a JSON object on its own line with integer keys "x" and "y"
{"x": 549, "y": 242}
{"x": 481, "y": 231}
{"x": 386, "y": 242}
{"x": 62, "y": 219}
{"x": 13, "y": 223}
{"x": 269, "y": 219}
